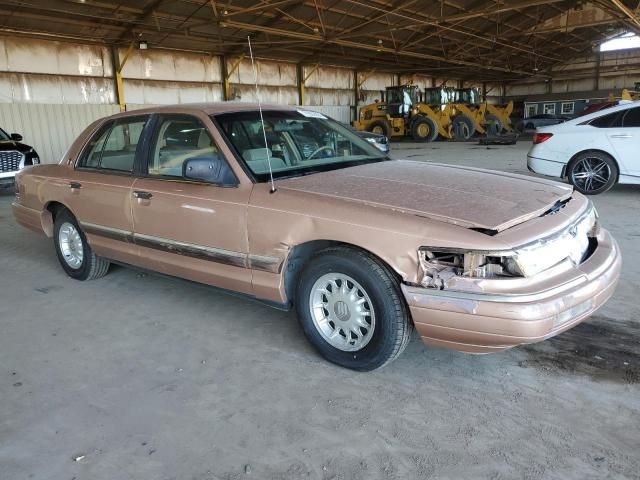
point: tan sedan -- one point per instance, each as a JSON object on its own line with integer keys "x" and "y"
{"x": 365, "y": 248}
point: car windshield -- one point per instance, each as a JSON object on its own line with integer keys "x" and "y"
{"x": 299, "y": 142}
{"x": 4, "y": 136}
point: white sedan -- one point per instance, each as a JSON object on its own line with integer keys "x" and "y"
{"x": 593, "y": 152}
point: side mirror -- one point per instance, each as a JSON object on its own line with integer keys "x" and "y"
{"x": 208, "y": 168}
{"x": 16, "y": 137}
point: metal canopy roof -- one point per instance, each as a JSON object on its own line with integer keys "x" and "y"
{"x": 467, "y": 39}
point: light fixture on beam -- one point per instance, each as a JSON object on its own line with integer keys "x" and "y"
{"x": 143, "y": 44}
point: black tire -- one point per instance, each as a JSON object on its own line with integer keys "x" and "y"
{"x": 380, "y": 127}
{"x": 91, "y": 266}
{"x": 493, "y": 123}
{"x": 604, "y": 177}
{"x": 463, "y": 128}
{"x": 392, "y": 328}
{"x": 424, "y": 129}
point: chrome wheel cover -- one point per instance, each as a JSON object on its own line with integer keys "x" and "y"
{"x": 590, "y": 174}
{"x": 70, "y": 244}
{"x": 342, "y": 312}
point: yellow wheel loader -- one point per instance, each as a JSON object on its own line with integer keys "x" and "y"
{"x": 403, "y": 113}
{"x": 470, "y": 116}
{"x": 625, "y": 95}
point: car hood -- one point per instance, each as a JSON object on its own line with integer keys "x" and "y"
{"x": 468, "y": 197}
{"x": 13, "y": 145}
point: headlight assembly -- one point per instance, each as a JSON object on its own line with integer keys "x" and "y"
{"x": 439, "y": 265}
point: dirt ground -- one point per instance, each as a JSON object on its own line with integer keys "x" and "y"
{"x": 138, "y": 376}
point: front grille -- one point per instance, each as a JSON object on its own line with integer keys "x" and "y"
{"x": 10, "y": 161}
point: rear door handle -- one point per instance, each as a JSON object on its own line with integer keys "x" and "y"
{"x": 622, "y": 135}
{"x": 74, "y": 185}
{"x": 142, "y": 195}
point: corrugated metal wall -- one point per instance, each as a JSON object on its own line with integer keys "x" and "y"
{"x": 50, "y": 129}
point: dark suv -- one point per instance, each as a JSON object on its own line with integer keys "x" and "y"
{"x": 14, "y": 156}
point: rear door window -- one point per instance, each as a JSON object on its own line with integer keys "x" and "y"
{"x": 611, "y": 120}
{"x": 632, "y": 118}
{"x": 114, "y": 146}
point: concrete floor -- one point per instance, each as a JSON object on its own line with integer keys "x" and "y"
{"x": 138, "y": 376}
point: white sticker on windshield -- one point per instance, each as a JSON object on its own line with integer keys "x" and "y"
{"x": 310, "y": 114}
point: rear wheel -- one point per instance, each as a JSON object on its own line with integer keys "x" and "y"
{"x": 380, "y": 127}
{"x": 463, "y": 128}
{"x": 424, "y": 129}
{"x": 74, "y": 253}
{"x": 352, "y": 310}
{"x": 592, "y": 173}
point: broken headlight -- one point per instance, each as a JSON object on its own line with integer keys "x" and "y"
{"x": 439, "y": 265}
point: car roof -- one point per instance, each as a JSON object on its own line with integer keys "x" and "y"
{"x": 213, "y": 108}
{"x": 623, "y": 105}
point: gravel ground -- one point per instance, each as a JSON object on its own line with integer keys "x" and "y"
{"x": 138, "y": 376}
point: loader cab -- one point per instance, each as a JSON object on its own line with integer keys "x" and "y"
{"x": 438, "y": 96}
{"x": 467, "y": 96}
{"x": 400, "y": 99}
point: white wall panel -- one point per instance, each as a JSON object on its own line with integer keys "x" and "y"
{"x": 423, "y": 81}
{"x": 3, "y": 55}
{"x": 268, "y": 94}
{"x": 329, "y": 77}
{"x": 320, "y": 96}
{"x": 29, "y": 88}
{"x": 524, "y": 89}
{"x": 50, "y": 129}
{"x": 337, "y": 112}
{"x": 171, "y": 66}
{"x": 166, "y": 93}
{"x": 376, "y": 81}
{"x": 269, "y": 73}
{"x": 45, "y": 56}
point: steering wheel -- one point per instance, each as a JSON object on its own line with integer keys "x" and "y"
{"x": 318, "y": 150}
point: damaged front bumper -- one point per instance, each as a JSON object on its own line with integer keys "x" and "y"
{"x": 488, "y": 321}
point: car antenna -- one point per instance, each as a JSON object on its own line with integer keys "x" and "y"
{"x": 264, "y": 132}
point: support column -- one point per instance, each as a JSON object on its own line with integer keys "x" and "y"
{"x": 302, "y": 80}
{"x": 227, "y": 75}
{"x": 596, "y": 80}
{"x": 117, "y": 67}
{"x": 300, "y": 83}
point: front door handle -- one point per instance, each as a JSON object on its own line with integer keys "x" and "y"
{"x": 74, "y": 185}
{"x": 622, "y": 135}
{"x": 142, "y": 195}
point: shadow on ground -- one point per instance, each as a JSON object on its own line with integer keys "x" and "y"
{"x": 602, "y": 348}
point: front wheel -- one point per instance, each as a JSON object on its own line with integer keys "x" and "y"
{"x": 424, "y": 129}
{"x": 463, "y": 128}
{"x": 494, "y": 125}
{"x": 351, "y": 309}
{"x": 380, "y": 127}
{"x": 74, "y": 253}
{"x": 592, "y": 173}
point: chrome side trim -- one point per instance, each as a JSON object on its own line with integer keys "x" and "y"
{"x": 212, "y": 254}
{"x": 266, "y": 264}
{"x": 109, "y": 232}
{"x": 218, "y": 255}
{"x": 488, "y": 297}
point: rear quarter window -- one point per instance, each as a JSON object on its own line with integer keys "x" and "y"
{"x": 611, "y": 120}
